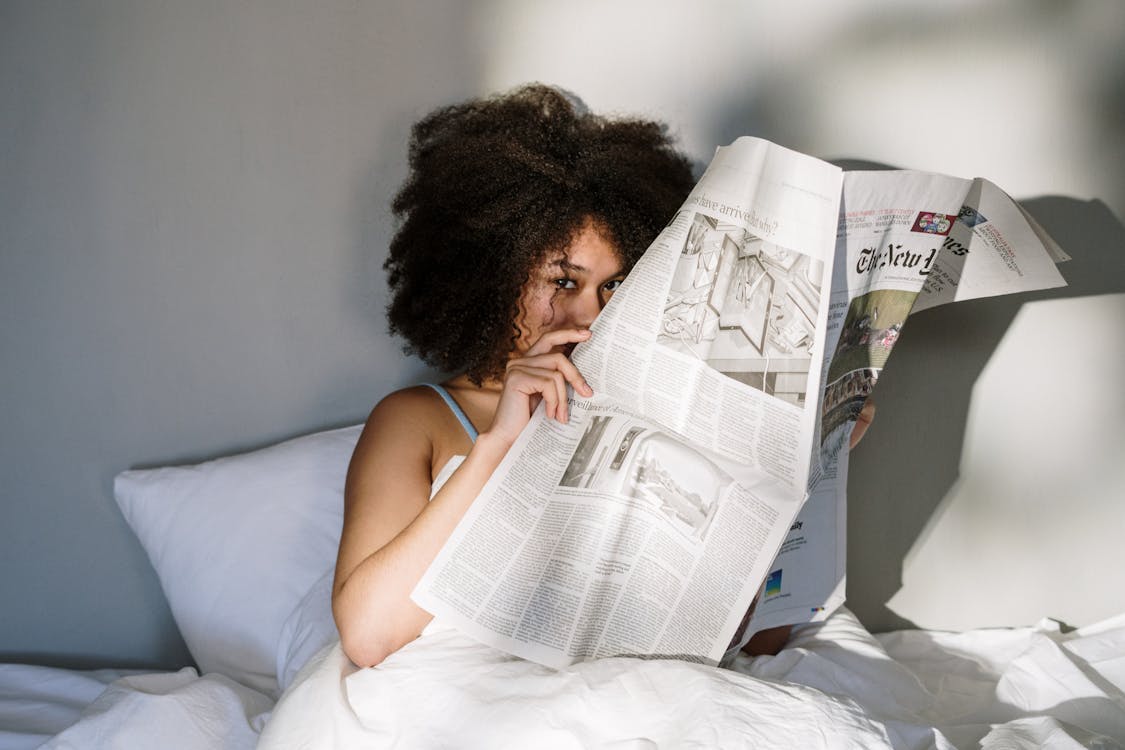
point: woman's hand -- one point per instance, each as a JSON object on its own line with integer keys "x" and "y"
{"x": 862, "y": 422}
{"x": 542, "y": 374}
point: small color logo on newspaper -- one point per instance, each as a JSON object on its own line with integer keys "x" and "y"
{"x": 932, "y": 223}
{"x": 773, "y": 583}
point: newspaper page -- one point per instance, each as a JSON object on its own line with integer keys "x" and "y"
{"x": 901, "y": 250}
{"x": 995, "y": 247}
{"x": 889, "y": 237}
{"x": 989, "y": 247}
{"x": 645, "y": 525}
{"x": 807, "y": 579}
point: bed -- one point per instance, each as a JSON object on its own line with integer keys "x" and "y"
{"x": 271, "y": 674}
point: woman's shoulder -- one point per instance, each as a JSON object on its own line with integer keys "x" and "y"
{"x": 418, "y": 421}
{"x": 412, "y": 411}
{"x": 415, "y": 398}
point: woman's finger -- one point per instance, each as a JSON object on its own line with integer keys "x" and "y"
{"x": 550, "y": 385}
{"x": 561, "y": 413}
{"x": 863, "y": 420}
{"x": 560, "y": 337}
{"x": 558, "y": 362}
{"x": 545, "y": 387}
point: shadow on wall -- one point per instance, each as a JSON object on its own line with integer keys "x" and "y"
{"x": 1056, "y": 129}
{"x": 910, "y": 461}
{"x": 1032, "y": 95}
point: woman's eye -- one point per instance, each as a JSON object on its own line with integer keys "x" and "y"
{"x": 611, "y": 286}
{"x": 565, "y": 284}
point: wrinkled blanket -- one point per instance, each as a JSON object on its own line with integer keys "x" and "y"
{"x": 836, "y": 686}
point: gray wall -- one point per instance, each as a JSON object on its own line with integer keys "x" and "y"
{"x": 193, "y": 210}
{"x": 193, "y": 218}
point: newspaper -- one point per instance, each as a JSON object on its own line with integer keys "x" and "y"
{"x": 727, "y": 371}
{"x": 891, "y": 260}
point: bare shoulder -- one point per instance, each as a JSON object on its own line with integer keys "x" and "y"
{"x": 416, "y": 409}
{"x": 403, "y": 425}
{"x": 410, "y": 431}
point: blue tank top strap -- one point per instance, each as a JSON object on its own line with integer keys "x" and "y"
{"x": 456, "y": 409}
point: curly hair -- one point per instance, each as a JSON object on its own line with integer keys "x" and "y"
{"x": 495, "y": 186}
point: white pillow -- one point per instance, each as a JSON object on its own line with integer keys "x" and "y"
{"x": 238, "y": 541}
{"x": 308, "y": 629}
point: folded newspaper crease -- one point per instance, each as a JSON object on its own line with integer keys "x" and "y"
{"x": 711, "y": 464}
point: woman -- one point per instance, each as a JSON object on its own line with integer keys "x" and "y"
{"x": 520, "y": 217}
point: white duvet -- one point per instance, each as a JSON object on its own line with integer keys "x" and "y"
{"x": 836, "y": 686}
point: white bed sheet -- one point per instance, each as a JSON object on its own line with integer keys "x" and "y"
{"x": 835, "y": 686}
{"x": 1032, "y": 687}
{"x": 171, "y": 711}
{"x": 37, "y": 702}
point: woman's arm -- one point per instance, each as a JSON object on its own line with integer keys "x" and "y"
{"x": 391, "y": 533}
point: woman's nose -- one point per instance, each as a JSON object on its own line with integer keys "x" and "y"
{"x": 584, "y": 307}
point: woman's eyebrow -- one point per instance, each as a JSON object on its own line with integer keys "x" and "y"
{"x": 566, "y": 265}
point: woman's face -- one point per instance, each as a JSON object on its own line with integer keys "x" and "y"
{"x": 569, "y": 289}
